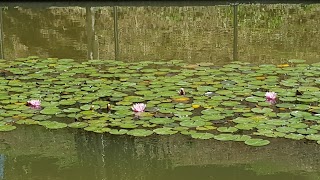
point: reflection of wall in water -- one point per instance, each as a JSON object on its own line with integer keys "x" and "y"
{"x": 120, "y": 156}
{"x": 267, "y": 33}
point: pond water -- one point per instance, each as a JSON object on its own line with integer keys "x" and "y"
{"x": 238, "y": 52}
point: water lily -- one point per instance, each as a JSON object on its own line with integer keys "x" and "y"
{"x": 181, "y": 91}
{"x": 34, "y": 103}
{"x": 139, "y": 107}
{"x": 271, "y": 95}
{"x": 271, "y": 101}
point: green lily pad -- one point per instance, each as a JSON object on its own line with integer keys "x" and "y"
{"x": 261, "y": 110}
{"x": 227, "y": 129}
{"x": 256, "y": 142}
{"x": 225, "y": 137}
{"x": 54, "y": 125}
{"x": 7, "y": 128}
{"x": 165, "y": 131}
{"x": 307, "y": 131}
{"x": 285, "y": 129}
{"x": 118, "y": 132}
{"x": 161, "y": 120}
{"x": 140, "y": 132}
{"x": 315, "y": 137}
{"x": 189, "y": 123}
{"x": 241, "y": 137}
{"x": 128, "y": 125}
{"x": 202, "y": 135}
{"x": 78, "y": 125}
{"x": 50, "y": 111}
{"x": 295, "y": 136}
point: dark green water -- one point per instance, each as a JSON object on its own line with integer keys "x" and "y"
{"x": 36, "y": 153}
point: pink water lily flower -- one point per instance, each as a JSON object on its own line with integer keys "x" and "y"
{"x": 271, "y": 101}
{"x": 34, "y": 103}
{"x": 271, "y": 95}
{"x": 138, "y": 107}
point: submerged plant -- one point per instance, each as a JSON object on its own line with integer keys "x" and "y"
{"x": 139, "y": 107}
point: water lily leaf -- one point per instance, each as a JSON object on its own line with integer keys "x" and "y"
{"x": 161, "y": 120}
{"x": 261, "y": 110}
{"x": 78, "y": 125}
{"x": 71, "y": 110}
{"x": 316, "y": 127}
{"x": 165, "y": 131}
{"x": 189, "y": 123}
{"x": 54, "y": 125}
{"x": 307, "y": 131}
{"x": 140, "y": 132}
{"x": 297, "y": 125}
{"x": 294, "y": 136}
{"x": 285, "y": 129}
{"x": 245, "y": 126}
{"x": 27, "y": 121}
{"x": 202, "y": 135}
{"x": 257, "y": 142}
{"x": 300, "y": 114}
{"x": 128, "y": 125}
{"x": 50, "y": 110}
{"x": 315, "y": 137}
{"x": 227, "y": 129}
{"x": 7, "y": 128}
{"x": 41, "y": 117}
{"x": 225, "y": 137}
{"x": 254, "y": 99}
{"x": 241, "y": 137}
{"x": 118, "y": 132}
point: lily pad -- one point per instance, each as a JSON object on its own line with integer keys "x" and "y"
{"x": 257, "y": 142}
{"x": 78, "y": 125}
{"x": 165, "y": 131}
{"x": 202, "y": 135}
{"x": 140, "y": 132}
{"x": 7, "y": 128}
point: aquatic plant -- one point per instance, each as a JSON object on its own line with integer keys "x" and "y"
{"x": 35, "y": 103}
{"x": 221, "y": 103}
{"x": 271, "y": 96}
{"x": 139, "y": 107}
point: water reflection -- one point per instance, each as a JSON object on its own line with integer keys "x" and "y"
{"x": 76, "y": 154}
{"x": 270, "y": 33}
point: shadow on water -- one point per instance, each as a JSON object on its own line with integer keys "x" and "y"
{"x": 77, "y": 154}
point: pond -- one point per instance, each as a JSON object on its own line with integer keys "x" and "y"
{"x": 212, "y": 92}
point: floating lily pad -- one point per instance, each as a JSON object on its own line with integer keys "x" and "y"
{"x": 54, "y": 125}
{"x": 256, "y": 142}
{"x": 241, "y": 137}
{"x": 7, "y": 128}
{"x": 140, "y": 132}
{"x": 165, "y": 131}
{"x": 315, "y": 137}
{"x": 202, "y": 135}
{"x": 227, "y": 129}
{"x": 78, "y": 125}
{"x": 295, "y": 136}
{"x": 225, "y": 137}
{"x": 189, "y": 123}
